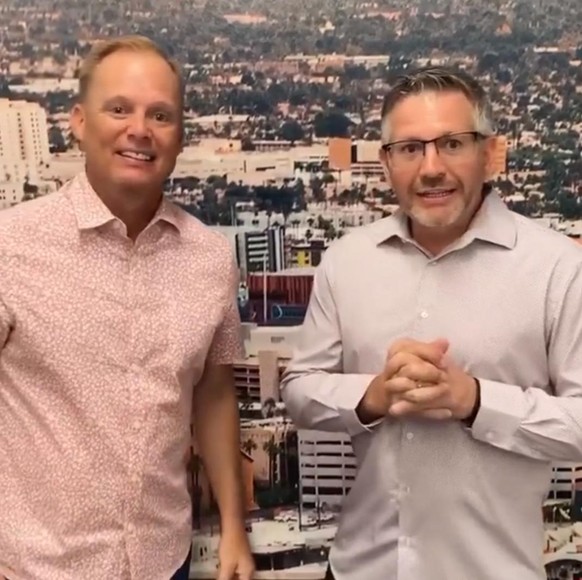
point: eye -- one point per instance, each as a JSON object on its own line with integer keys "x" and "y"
{"x": 409, "y": 148}
{"x": 453, "y": 144}
{"x": 117, "y": 110}
{"x": 163, "y": 117}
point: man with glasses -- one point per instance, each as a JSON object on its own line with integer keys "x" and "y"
{"x": 446, "y": 341}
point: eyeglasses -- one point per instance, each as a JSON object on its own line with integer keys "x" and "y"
{"x": 453, "y": 146}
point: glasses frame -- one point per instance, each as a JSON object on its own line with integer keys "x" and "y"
{"x": 386, "y": 147}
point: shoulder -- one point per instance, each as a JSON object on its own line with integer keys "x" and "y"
{"x": 547, "y": 244}
{"x": 358, "y": 242}
{"x": 34, "y": 218}
{"x": 205, "y": 240}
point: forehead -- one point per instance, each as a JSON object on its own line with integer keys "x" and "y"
{"x": 430, "y": 114}
{"x": 139, "y": 76}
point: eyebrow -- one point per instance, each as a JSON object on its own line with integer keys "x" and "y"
{"x": 446, "y": 134}
{"x": 157, "y": 105}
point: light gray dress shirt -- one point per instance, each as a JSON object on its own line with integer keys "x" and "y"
{"x": 436, "y": 500}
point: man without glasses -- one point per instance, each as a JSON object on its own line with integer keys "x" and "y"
{"x": 446, "y": 340}
{"x": 118, "y": 323}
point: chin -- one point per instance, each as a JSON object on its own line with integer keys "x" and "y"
{"x": 137, "y": 180}
{"x": 429, "y": 220}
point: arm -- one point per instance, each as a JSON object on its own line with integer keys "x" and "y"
{"x": 316, "y": 392}
{"x": 216, "y": 422}
{"x": 5, "y": 324}
{"x": 532, "y": 422}
{"x": 216, "y": 418}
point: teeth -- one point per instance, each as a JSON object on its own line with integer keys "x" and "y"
{"x": 436, "y": 193}
{"x": 136, "y": 155}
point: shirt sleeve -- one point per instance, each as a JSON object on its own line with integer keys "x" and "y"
{"x": 317, "y": 394}
{"x": 543, "y": 424}
{"x": 227, "y": 346}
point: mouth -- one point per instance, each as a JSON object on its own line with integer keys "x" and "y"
{"x": 436, "y": 193}
{"x": 141, "y": 156}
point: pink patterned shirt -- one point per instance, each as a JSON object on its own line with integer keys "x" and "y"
{"x": 101, "y": 343}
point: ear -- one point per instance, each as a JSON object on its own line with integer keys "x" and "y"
{"x": 495, "y": 156}
{"x": 77, "y": 123}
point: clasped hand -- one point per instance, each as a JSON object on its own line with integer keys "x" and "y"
{"x": 419, "y": 379}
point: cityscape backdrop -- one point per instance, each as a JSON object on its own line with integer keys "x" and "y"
{"x": 282, "y": 110}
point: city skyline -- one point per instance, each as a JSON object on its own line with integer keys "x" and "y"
{"x": 282, "y": 130}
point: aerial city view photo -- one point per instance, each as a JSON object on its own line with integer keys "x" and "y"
{"x": 282, "y": 136}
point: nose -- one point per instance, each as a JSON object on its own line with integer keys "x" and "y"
{"x": 138, "y": 126}
{"x": 432, "y": 166}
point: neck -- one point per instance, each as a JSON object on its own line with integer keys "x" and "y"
{"x": 135, "y": 209}
{"x": 435, "y": 240}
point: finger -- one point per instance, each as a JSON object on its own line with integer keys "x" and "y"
{"x": 436, "y": 414}
{"x": 422, "y": 371}
{"x": 424, "y": 396}
{"x": 429, "y": 351}
{"x": 408, "y": 344}
{"x": 398, "y": 361}
{"x": 399, "y": 385}
{"x": 404, "y": 408}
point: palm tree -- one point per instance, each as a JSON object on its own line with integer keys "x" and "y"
{"x": 272, "y": 450}
{"x": 249, "y": 446}
{"x": 268, "y": 408}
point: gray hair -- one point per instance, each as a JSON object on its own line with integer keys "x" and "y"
{"x": 440, "y": 79}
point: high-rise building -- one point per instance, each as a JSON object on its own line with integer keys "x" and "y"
{"x": 24, "y": 144}
{"x": 261, "y": 251}
{"x": 562, "y": 484}
{"x": 327, "y": 468}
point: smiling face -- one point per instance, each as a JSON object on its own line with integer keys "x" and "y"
{"x": 440, "y": 189}
{"x": 130, "y": 123}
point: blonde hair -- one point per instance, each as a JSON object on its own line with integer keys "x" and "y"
{"x": 440, "y": 79}
{"x": 132, "y": 43}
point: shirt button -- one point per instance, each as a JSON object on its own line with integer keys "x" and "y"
{"x": 489, "y": 435}
{"x": 410, "y": 436}
{"x": 424, "y": 314}
{"x": 405, "y": 541}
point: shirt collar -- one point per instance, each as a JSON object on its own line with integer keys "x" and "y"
{"x": 493, "y": 223}
{"x": 91, "y": 212}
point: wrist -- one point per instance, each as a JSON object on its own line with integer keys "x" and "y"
{"x": 367, "y": 409}
{"x": 233, "y": 526}
{"x": 470, "y": 417}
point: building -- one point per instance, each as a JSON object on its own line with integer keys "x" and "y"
{"x": 306, "y": 254}
{"x": 282, "y": 297}
{"x": 576, "y": 510}
{"x": 563, "y": 479}
{"x": 24, "y": 145}
{"x": 258, "y": 376}
{"x": 260, "y": 251}
{"x": 358, "y": 162}
{"x": 11, "y": 193}
{"x": 327, "y": 469}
